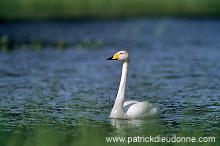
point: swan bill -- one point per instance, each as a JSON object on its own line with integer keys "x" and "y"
{"x": 114, "y": 57}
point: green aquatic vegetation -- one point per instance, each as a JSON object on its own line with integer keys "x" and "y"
{"x": 61, "y": 44}
{"x": 4, "y": 43}
{"x": 89, "y": 44}
{"x": 36, "y": 44}
{"x": 109, "y": 102}
{"x": 24, "y": 47}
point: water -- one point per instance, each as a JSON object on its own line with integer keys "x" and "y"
{"x": 175, "y": 64}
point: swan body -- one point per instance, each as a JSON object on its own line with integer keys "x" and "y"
{"x": 129, "y": 109}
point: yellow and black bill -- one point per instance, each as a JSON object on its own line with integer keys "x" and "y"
{"x": 114, "y": 57}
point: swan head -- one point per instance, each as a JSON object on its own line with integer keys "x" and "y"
{"x": 121, "y": 56}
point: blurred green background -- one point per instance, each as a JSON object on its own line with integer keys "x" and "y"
{"x": 74, "y": 9}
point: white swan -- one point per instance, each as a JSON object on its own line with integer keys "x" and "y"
{"x": 129, "y": 109}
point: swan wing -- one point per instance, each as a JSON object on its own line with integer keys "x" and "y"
{"x": 142, "y": 110}
{"x": 128, "y": 104}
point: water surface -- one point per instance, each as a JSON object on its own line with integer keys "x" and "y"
{"x": 175, "y": 64}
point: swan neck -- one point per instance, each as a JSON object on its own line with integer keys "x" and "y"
{"x": 121, "y": 91}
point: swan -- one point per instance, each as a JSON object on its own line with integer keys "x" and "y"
{"x": 129, "y": 109}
